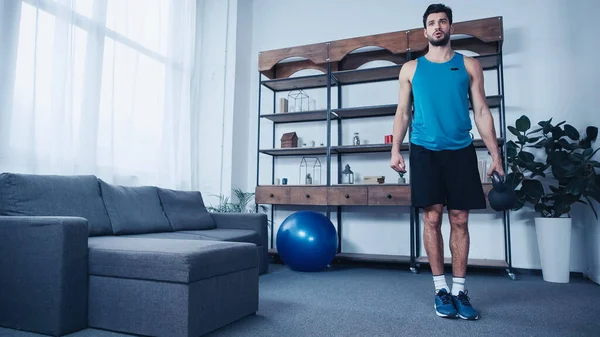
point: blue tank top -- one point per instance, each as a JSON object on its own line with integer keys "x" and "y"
{"x": 441, "y": 104}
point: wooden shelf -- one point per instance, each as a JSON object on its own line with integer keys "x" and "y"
{"x": 367, "y": 75}
{"x": 357, "y": 76}
{"x": 292, "y": 83}
{"x": 296, "y": 151}
{"x": 366, "y": 111}
{"x": 471, "y": 262}
{"x": 357, "y": 257}
{"x": 344, "y": 62}
{"x": 367, "y": 148}
{"x": 291, "y": 117}
{"x": 488, "y": 62}
{"x": 352, "y": 112}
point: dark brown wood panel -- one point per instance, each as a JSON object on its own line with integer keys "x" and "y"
{"x": 287, "y": 69}
{"x": 380, "y": 195}
{"x": 368, "y": 75}
{"x": 347, "y": 195}
{"x": 272, "y": 195}
{"x": 394, "y": 42}
{"x": 353, "y": 61}
{"x": 315, "y": 53}
{"x": 487, "y": 32}
{"x": 301, "y": 195}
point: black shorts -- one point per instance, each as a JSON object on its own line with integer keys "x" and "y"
{"x": 447, "y": 177}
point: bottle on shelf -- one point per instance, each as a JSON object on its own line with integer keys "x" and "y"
{"x": 356, "y": 139}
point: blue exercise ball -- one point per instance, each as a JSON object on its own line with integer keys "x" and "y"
{"x": 307, "y": 241}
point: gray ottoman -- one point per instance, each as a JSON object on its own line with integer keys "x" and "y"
{"x": 170, "y": 287}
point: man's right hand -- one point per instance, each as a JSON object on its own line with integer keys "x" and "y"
{"x": 397, "y": 162}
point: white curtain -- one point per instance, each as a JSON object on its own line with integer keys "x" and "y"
{"x": 98, "y": 87}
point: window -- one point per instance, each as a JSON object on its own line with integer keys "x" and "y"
{"x": 104, "y": 80}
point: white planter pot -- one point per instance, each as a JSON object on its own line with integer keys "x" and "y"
{"x": 554, "y": 244}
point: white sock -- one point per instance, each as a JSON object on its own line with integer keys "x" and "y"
{"x": 440, "y": 282}
{"x": 458, "y": 285}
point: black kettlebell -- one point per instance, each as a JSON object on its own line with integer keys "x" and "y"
{"x": 501, "y": 197}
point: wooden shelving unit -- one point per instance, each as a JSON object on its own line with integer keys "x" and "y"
{"x": 340, "y": 62}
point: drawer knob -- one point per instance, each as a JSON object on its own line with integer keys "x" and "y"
{"x": 271, "y": 195}
{"x": 389, "y": 196}
{"x": 347, "y": 196}
{"x": 308, "y": 195}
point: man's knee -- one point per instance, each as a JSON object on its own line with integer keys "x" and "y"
{"x": 459, "y": 219}
{"x": 432, "y": 217}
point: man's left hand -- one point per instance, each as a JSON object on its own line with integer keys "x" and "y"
{"x": 496, "y": 166}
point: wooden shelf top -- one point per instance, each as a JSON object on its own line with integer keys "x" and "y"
{"x": 482, "y": 36}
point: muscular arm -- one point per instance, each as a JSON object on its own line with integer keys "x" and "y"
{"x": 402, "y": 117}
{"x": 482, "y": 114}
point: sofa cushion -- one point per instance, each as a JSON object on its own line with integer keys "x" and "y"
{"x": 226, "y": 234}
{"x": 55, "y": 195}
{"x": 169, "y": 260}
{"x": 185, "y": 209}
{"x": 135, "y": 209}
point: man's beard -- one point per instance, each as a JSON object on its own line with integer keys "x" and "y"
{"x": 439, "y": 43}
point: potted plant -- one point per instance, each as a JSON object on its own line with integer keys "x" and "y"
{"x": 243, "y": 205}
{"x": 565, "y": 174}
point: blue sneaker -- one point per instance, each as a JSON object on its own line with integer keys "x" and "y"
{"x": 463, "y": 306}
{"x": 443, "y": 304}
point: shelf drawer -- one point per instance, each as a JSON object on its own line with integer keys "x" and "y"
{"x": 272, "y": 195}
{"x": 347, "y": 195}
{"x": 389, "y": 195}
{"x": 308, "y": 195}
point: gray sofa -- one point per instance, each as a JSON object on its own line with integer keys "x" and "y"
{"x": 77, "y": 252}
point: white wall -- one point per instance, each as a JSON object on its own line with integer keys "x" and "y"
{"x": 537, "y": 50}
{"x": 215, "y": 96}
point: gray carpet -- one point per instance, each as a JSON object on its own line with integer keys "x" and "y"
{"x": 361, "y": 301}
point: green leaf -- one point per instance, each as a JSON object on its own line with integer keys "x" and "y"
{"x": 511, "y": 149}
{"x": 526, "y": 157}
{"x": 576, "y": 185}
{"x": 522, "y": 139}
{"x": 523, "y": 124}
{"x": 513, "y": 130}
{"x": 546, "y": 126}
{"x": 534, "y": 131}
{"x": 571, "y": 132}
{"x": 533, "y": 189}
{"x": 557, "y": 133}
{"x": 568, "y": 146}
{"x": 592, "y": 154}
{"x": 591, "y": 133}
{"x": 514, "y": 179}
{"x": 594, "y": 163}
{"x": 533, "y": 139}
